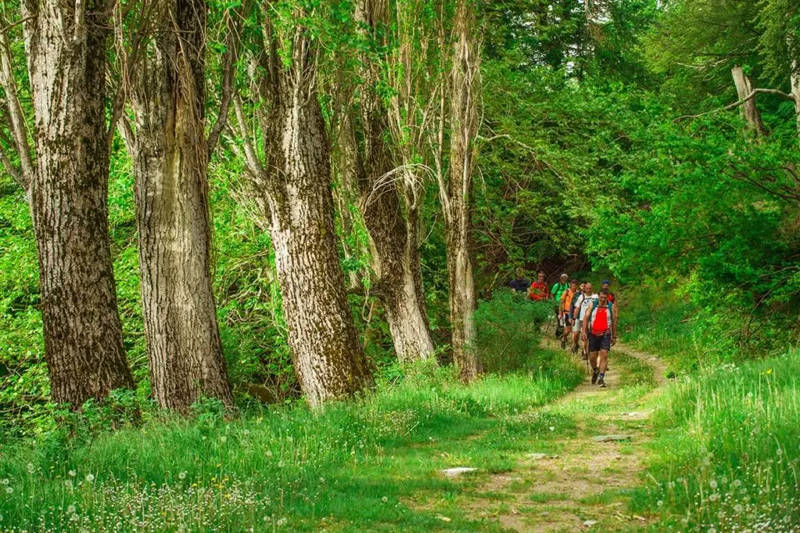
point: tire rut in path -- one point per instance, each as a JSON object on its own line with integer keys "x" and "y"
{"x": 576, "y": 482}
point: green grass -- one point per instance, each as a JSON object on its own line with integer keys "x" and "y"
{"x": 728, "y": 451}
{"x": 351, "y": 466}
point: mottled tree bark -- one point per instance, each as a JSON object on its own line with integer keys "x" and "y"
{"x": 393, "y": 237}
{"x": 66, "y": 48}
{"x": 795, "y": 79}
{"x": 296, "y": 198}
{"x": 171, "y": 163}
{"x": 457, "y": 203}
{"x": 749, "y": 109}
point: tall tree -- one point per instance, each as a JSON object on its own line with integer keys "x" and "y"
{"x": 66, "y": 45}
{"x": 171, "y": 153}
{"x": 293, "y": 192}
{"x": 456, "y": 194}
{"x": 393, "y": 236}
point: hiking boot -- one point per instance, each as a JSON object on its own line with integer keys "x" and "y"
{"x": 595, "y": 373}
{"x": 601, "y": 382}
{"x": 563, "y": 344}
{"x": 574, "y": 348}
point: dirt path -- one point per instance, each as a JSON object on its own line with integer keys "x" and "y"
{"x": 574, "y": 481}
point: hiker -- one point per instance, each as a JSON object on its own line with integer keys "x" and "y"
{"x": 565, "y": 305}
{"x": 520, "y": 283}
{"x": 538, "y": 289}
{"x": 556, "y": 291}
{"x": 588, "y": 299}
{"x": 574, "y": 313}
{"x": 600, "y": 329}
{"x": 611, "y": 296}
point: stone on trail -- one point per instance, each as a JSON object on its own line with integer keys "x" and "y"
{"x": 457, "y": 471}
{"x": 611, "y": 438}
{"x": 538, "y": 456}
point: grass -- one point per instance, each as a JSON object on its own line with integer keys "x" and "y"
{"x": 728, "y": 452}
{"x": 350, "y": 466}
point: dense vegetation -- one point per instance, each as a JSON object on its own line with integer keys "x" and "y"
{"x": 613, "y": 138}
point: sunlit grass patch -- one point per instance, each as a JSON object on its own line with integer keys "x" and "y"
{"x": 729, "y": 452}
{"x": 353, "y": 463}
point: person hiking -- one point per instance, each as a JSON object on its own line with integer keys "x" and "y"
{"x": 574, "y": 314}
{"x": 600, "y": 329}
{"x": 565, "y": 305}
{"x": 520, "y": 283}
{"x": 538, "y": 289}
{"x": 556, "y": 291}
{"x": 588, "y": 299}
{"x": 611, "y": 296}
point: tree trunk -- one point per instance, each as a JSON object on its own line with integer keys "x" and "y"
{"x": 458, "y": 200}
{"x": 795, "y": 78}
{"x": 395, "y": 257}
{"x": 82, "y": 331}
{"x": 171, "y": 163}
{"x": 749, "y": 109}
{"x": 328, "y": 358}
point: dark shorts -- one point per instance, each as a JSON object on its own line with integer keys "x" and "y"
{"x": 599, "y": 342}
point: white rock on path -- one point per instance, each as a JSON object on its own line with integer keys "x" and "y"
{"x": 611, "y": 438}
{"x": 457, "y": 471}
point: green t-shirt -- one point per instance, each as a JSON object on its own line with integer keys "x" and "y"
{"x": 558, "y": 289}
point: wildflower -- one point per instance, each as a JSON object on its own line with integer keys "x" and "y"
{"x": 322, "y": 480}
{"x": 72, "y": 473}
{"x": 713, "y": 483}
{"x": 31, "y": 468}
{"x": 712, "y": 530}
{"x": 68, "y": 483}
{"x": 89, "y": 478}
{"x": 384, "y": 499}
{"x": 552, "y": 428}
{"x": 6, "y": 481}
{"x": 281, "y": 522}
{"x": 737, "y": 483}
{"x": 71, "y": 509}
{"x": 182, "y": 475}
{"x": 9, "y": 490}
{"x": 223, "y": 439}
{"x": 660, "y": 503}
{"x": 738, "y": 508}
{"x": 269, "y": 453}
{"x": 714, "y": 497}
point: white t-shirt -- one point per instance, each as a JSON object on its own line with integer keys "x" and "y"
{"x": 585, "y": 303}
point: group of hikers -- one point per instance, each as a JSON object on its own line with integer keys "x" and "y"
{"x": 585, "y": 319}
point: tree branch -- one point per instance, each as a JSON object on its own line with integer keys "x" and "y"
{"x": 228, "y": 78}
{"x": 740, "y": 102}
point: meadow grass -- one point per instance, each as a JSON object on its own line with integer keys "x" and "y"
{"x": 727, "y": 455}
{"x": 349, "y": 466}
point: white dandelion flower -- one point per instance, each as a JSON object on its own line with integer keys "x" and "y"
{"x": 89, "y": 478}
{"x": 9, "y": 490}
{"x": 182, "y": 475}
{"x": 71, "y": 509}
{"x": 72, "y": 473}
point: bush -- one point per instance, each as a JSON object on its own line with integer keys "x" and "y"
{"x": 509, "y": 329}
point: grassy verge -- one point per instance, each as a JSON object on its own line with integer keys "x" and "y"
{"x": 728, "y": 452}
{"x": 349, "y": 466}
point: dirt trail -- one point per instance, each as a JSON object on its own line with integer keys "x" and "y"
{"x": 577, "y": 482}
